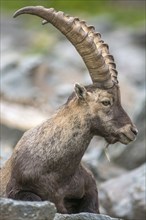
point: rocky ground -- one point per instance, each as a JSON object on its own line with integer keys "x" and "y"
{"x": 18, "y": 210}
{"x": 38, "y": 70}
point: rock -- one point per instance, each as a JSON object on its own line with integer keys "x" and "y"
{"x": 83, "y": 216}
{"x": 107, "y": 170}
{"x": 70, "y": 57}
{"x": 17, "y": 82}
{"x": 64, "y": 91}
{"x": 125, "y": 196}
{"x": 19, "y": 210}
{"x": 129, "y": 57}
{"x": 9, "y": 61}
{"x": 20, "y": 117}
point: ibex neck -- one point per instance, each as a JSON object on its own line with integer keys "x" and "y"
{"x": 70, "y": 138}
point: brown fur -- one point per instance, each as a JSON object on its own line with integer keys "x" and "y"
{"x": 46, "y": 163}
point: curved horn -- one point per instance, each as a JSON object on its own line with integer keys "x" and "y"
{"x": 87, "y": 42}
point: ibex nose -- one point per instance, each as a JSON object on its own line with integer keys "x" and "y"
{"x": 134, "y": 130}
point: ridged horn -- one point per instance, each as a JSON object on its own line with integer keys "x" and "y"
{"x": 87, "y": 42}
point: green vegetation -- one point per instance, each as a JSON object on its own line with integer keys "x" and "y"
{"x": 130, "y": 13}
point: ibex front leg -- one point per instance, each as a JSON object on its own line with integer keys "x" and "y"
{"x": 82, "y": 195}
{"x": 89, "y": 202}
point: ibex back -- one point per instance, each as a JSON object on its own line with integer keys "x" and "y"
{"x": 46, "y": 163}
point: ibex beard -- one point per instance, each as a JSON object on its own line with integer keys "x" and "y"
{"x": 46, "y": 163}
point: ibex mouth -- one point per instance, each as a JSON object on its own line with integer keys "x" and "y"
{"x": 127, "y": 134}
{"x": 124, "y": 139}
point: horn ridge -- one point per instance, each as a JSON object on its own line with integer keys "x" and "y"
{"x": 93, "y": 50}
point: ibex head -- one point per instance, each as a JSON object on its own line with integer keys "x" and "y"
{"x": 102, "y": 99}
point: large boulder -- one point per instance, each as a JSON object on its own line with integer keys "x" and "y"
{"x": 19, "y": 210}
{"x": 83, "y": 216}
{"x": 124, "y": 196}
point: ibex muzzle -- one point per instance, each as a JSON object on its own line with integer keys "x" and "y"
{"x": 46, "y": 163}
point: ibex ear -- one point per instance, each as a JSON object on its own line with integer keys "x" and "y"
{"x": 80, "y": 91}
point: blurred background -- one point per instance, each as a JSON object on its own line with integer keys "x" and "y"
{"x": 39, "y": 68}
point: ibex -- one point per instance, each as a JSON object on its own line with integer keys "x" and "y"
{"x": 46, "y": 163}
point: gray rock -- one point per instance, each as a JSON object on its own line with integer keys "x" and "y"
{"x": 125, "y": 196}
{"x": 19, "y": 210}
{"x": 10, "y": 60}
{"x": 83, "y": 216}
{"x": 70, "y": 57}
{"x": 16, "y": 81}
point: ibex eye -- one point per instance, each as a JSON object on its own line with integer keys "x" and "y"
{"x": 106, "y": 103}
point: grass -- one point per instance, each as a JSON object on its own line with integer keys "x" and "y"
{"x": 131, "y": 15}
